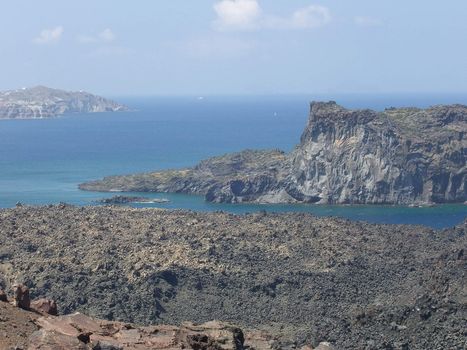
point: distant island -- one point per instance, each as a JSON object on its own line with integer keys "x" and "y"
{"x": 43, "y": 102}
{"x": 398, "y": 156}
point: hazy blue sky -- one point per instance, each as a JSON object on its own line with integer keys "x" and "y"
{"x": 235, "y": 46}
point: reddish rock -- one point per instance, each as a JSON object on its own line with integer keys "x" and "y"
{"x": 44, "y": 306}
{"x": 79, "y": 331}
{"x": 3, "y": 296}
{"x": 70, "y": 325}
{"x": 21, "y": 296}
{"x": 50, "y": 340}
{"x": 260, "y": 340}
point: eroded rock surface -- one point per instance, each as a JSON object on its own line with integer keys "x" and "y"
{"x": 44, "y": 306}
{"x": 401, "y": 156}
{"x": 398, "y": 156}
{"x": 20, "y": 329}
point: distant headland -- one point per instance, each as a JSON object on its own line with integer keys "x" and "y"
{"x": 42, "y": 102}
{"x": 406, "y": 156}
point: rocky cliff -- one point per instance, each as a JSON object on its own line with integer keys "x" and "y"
{"x": 398, "y": 156}
{"x": 43, "y": 102}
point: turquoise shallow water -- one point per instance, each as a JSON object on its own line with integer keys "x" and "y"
{"x": 43, "y": 161}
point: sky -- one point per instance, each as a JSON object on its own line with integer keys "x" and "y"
{"x": 247, "y": 47}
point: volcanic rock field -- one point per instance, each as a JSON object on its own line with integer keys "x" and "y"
{"x": 302, "y": 278}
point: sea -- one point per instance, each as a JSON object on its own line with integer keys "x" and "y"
{"x": 42, "y": 161}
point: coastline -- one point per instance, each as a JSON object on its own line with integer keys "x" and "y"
{"x": 405, "y": 156}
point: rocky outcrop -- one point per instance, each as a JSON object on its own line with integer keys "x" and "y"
{"x": 21, "y": 296}
{"x": 81, "y": 332}
{"x": 398, "y": 156}
{"x": 43, "y": 102}
{"x": 44, "y": 306}
{"x": 302, "y": 278}
{"x": 131, "y": 199}
{"x": 78, "y": 331}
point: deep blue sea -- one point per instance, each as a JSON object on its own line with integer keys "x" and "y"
{"x": 43, "y": 161}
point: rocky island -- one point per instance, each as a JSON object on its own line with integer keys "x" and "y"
{"x": 43, "y": 102}
{"x": 303, "y": 279}
{"x": 397, "y": 156}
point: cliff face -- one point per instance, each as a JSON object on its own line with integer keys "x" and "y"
{"x": 43, "y": 102}
{"x": 396, "y": 156}
{"x": 399, "y": 156}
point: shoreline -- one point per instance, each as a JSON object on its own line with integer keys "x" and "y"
{"x": 372, "y": 213}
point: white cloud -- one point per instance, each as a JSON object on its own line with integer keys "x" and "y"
{"x": 247, "y": 14}
{"x": 48, "y": 36}
{"x": 310, "y": 17}
{"x": 364, "y": 21}
{"x": 106, "y": 36}
{"x": 237, "y": 14}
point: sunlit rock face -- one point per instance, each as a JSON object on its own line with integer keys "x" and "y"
{"x": 397, "y": 156}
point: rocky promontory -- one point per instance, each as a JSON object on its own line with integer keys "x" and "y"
{"x": 303, "y": 279}
{"x": 397, "y": 156}
{"x": 43, "y": 102}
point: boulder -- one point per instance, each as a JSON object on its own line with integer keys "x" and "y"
{"x": 210, "y": 336}
{"x": 106, "y": 345}
{"x": 44, "y": 306}
{"x": 21, "y": 296}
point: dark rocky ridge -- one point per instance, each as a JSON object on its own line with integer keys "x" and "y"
{"x": 399, "y": 156}
{"x": 44, "y": 102}
{"x": 302, "y": 278}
